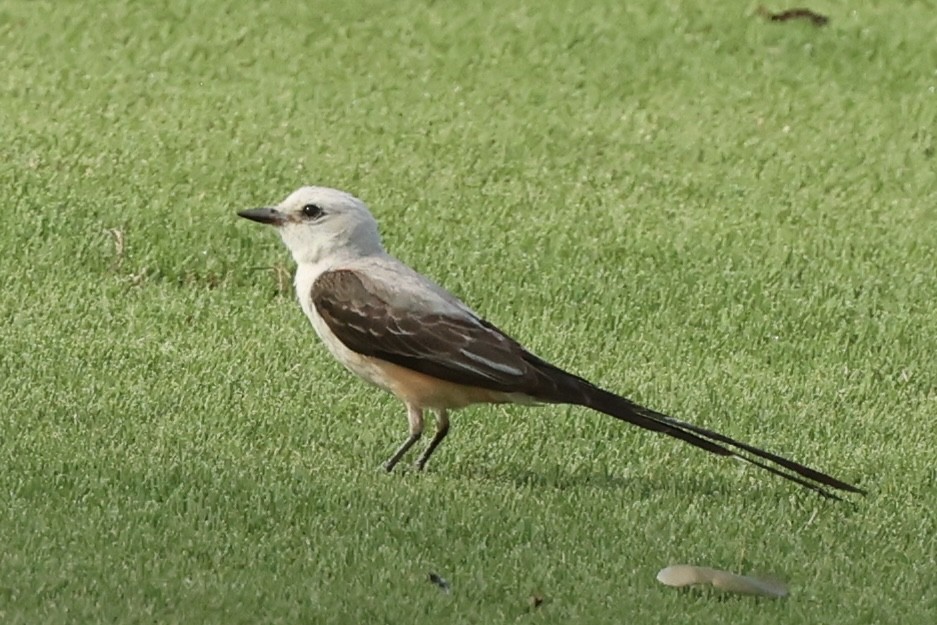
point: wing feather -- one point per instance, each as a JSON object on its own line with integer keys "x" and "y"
{"x": 453, "y": 346}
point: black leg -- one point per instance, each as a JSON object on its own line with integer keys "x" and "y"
{"x": 415, "y": 417}
{"x": 442, "y": 429}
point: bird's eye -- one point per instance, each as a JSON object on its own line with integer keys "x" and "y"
{"x": 312, "y": 211}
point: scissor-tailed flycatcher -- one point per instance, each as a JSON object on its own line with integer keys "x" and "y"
{"x": 400, "y": 331}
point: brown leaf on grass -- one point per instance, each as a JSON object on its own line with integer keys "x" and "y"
{"x": 794, "y": 14}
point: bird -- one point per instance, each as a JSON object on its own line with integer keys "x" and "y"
{"x": 402, "y": 332}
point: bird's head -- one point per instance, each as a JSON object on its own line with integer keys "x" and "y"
{"x": 318, "y": 223}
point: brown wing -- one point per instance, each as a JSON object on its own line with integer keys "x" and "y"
{"x": 455, "y": 347}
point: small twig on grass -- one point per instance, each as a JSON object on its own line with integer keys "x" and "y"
{"x": 281, "y": 275}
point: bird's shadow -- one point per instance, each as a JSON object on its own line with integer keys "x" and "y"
{"x": 560, "y": 478}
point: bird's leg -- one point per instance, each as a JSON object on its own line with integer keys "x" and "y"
{"x": 415, "y": 417}
{"x": 442, "y": 428}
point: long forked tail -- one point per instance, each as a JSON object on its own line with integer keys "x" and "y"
{"x": 626, "y": 410}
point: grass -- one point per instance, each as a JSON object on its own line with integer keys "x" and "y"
{"x": 730, "y": 220}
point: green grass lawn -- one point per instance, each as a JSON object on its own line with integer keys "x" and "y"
{"x": 730, "y": 220}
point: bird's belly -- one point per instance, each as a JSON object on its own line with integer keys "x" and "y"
{"x": 424, "y": 391}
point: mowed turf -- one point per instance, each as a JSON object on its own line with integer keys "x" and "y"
{"x": 730, "y": 220}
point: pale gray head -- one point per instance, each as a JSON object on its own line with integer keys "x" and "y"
{"x": 317, "y": 223}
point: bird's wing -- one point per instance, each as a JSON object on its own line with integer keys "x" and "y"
{"x": 378, "y": 319}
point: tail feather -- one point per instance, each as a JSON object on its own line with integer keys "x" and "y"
{"x": 626, "y": 410}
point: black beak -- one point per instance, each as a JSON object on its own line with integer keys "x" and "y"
{"x": 263, "y": 215}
